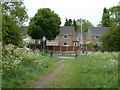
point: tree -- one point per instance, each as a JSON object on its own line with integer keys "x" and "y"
{"x": 15, "y": 10}
{"x": 10, "y": 31}
{"x": 13, "y": 16}
{"x": 44, "y": 23}
{"x": 114, "y": 14}
{"x": 111, "y": 39}
{"x": 105, "y": 18}
{"x": 74, "y": 24}
{"x": 111, "y": 16}
{"x": 68, "y": 22}
{"x": 85, "y": 24}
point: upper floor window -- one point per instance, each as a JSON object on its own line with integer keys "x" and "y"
{"x": 78, "y": 39}
{"x": 97, "y": 37}
{"x": 65, "y": 36}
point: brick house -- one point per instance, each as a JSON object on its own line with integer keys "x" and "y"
{"x": 93, "y": 35}
{"x": 67, "y": 36}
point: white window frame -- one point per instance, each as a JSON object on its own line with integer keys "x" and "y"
{"x": 97, "y": 38}
{"x": 67, "y": 44}
{"x": 77, "y": 44}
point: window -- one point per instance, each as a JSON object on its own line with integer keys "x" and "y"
{"x": 97, "y": 37}
{"x": 76, "y": 44}
{"x": 65, "y": 36}
{"x": 78, "y": 39}
{"x": 66, "y": 44}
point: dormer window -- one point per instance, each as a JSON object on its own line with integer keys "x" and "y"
{"x": 65, "y": 36}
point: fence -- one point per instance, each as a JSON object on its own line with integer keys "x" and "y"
{"x": 62, "y": 48}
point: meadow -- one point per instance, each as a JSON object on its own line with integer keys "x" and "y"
{"x": 91, "y": 70}
{"x": 20, "y": 68}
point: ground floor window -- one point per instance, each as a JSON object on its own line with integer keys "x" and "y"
{"x": 76, "y": 44}
{"x": 66, "y": 44}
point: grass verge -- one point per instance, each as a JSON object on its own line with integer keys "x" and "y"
{"x": 20, "y": 68}
{"x": 94, "y": 70}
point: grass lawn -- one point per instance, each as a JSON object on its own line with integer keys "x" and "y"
{"x": 67, "y": 55}
{"x": 94, "y": 70}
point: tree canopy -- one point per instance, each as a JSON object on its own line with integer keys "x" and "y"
{"x": 44, "y": 23}
{"x": 105, "y": 18}
{"x": 111, "y": 39}
{"x": 15, "y": 10}
{"x": 68, "y": 22}
{"x": 10, "y": 31}
{"x": 13, "y": 16}
{"x": 77, "y": 24}
{"x": 111, "y": 16}
{"x": 85, "y": 24}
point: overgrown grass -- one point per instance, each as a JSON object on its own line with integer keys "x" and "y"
{"x": 94, "y": 70}
{"x": 22, "y": 67}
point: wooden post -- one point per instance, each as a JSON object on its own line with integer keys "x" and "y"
{"x": 51, "y": 54}
{"x": 53, "y": 48}
{"x": 73, "y": 48}
{"x": 75, "y": 54}
{"x": 60, "y": 48}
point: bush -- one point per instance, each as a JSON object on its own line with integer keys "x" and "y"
{"x": 20, "y": 65}
{"x": 92, "y": 45}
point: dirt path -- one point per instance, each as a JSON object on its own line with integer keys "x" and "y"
{"x": 48, "y": 79}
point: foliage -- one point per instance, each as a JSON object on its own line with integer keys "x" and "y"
{"x": 44, "y": 23}
{"x": 74, "y": 24}
{"x": 15, "y": 10}
{"x": 68, "y": 22}
{"x": 114, "y": 14}
{"x": 10, "y": 31}
{"x": 111, "y": 16}
{"x": 111, "y": 39}
{"x": 92, "y": 45}
{"x": 77, "y": 24}
{"x": 105, "y": 18}
{"x": 33, "y": 44}
{"x": 21, "y": 66}
{"x": 85, "y": 24}
{"x": 91, "y": 70}
{"x": 13, "y": 16}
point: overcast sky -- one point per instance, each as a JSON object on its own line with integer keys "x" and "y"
{"x": 91, "y": 10}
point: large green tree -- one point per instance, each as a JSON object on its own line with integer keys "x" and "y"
{"x": 105, "y": 18}
{"x": 44, "y": 23}
{"x": 111, "y": 39}
{"x": 10, "y": 31}
{"x": 15, "y": 10}
{"x": 114, "y": 14}
{"x": 111, "y": 16}
{"x": 13, "y": 16}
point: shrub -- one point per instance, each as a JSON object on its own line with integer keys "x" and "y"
{"x": 20, "y": 65}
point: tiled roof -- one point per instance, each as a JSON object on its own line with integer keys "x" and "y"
{"x": 69, "y": 30}
{"x": 98, "y": 31}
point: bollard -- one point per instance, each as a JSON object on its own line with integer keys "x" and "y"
{"x": 76, "y": 54}
{"x": 51, "y": 54}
